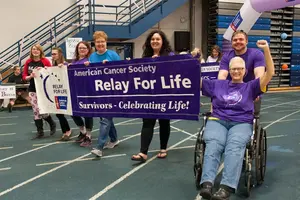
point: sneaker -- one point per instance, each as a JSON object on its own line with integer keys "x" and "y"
{"x": 80, "y": 138}
{"x": 97, "y": 152}
{"x": 86, "y": 142}
{"x": 111, "y": 145}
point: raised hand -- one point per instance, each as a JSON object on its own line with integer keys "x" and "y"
{"x": 263, "y": 44}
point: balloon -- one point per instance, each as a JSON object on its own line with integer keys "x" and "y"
{"x": 267, "y": 5}
{"x": 244, "y": 20}
{"x": 251, "y": 11}
{"x": 285, "y": 67}
{"x": 283, "y": 36}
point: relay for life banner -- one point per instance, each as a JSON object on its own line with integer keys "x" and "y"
{"x": 165, "y": 87}
{"x": 251, "y": 11}
{"x": 210, "y": 70}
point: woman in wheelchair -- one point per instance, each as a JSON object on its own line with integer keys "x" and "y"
{"x": 229, "y": 128}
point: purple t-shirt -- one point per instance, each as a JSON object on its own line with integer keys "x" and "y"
{"x": 82, "y": 61}
{"x": 232, "y": 101}
{"x": 253, "y": 58}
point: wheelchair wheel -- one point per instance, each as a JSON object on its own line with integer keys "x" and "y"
{"x": 198, "y": 158}
{"x": 263, "y": 152}
{"x": 260, "y": 155}
{"x": 248, "y": 183}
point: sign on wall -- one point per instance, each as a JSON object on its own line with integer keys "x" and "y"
{"x": 71, "y": 47}
{"x": 7, "y": 92}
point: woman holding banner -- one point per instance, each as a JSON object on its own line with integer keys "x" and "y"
{"x": 107, "y": 127}
{"x": 37, "y": 59}
{"x": 59, "y": 60}
{"x": 82, "y": 54}
{"x": 155, "y": 45}
{"x": 229, "y": 128}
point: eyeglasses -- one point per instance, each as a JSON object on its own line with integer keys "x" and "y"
{"x": 237, "y": 69}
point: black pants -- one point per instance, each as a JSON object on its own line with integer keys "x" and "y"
{"x": 148, "y": 130}
{"x": 88, "y": 122}
{"x": 63, "y": 123}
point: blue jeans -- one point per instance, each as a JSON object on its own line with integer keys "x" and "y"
{"x": 107, "y": 128}
{"x": 231, "y": 139}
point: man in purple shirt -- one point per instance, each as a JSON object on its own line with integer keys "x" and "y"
{"x": 254, "y": 59}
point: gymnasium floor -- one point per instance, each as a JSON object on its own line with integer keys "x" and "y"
{"x": 46, "y": 169}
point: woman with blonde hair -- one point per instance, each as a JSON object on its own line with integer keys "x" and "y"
{"x": 37, "y": 59}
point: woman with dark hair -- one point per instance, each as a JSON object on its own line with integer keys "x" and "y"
{"x": 155, "y": 45}
{"x": 82, "y": 54}
{"x": 59, "y": 60}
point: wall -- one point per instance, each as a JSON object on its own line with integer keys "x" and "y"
{"x": 20, "y": 17}
{"x": 176, "y": 21}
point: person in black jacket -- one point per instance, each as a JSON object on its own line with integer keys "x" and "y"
{"x": 16, "y": 78}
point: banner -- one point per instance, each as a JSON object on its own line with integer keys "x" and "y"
{"x": 53, "y": 91}
{"x": 164, "y": 88}
{"x": 7, "y": 92}
{"x": 210, "y": 70}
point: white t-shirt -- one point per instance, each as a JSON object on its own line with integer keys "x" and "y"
{"x": 211, "y": 59}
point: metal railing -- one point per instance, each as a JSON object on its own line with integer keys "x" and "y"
{"x": 72, "y": 20}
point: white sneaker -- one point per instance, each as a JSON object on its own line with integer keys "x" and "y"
{"x": 97, "y": 152}
{"x": 111, "y": 145}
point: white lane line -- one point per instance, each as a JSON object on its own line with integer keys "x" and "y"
{"x": 56, "y": 120}
{"x": 5, "y": 148}
{"x": 282, "y": 118}
{"x": 9, "y": 117}
{"x": 73, "y": 141}
{"x": 84, "y": 159}
{"x": 183, "y": 131}
{"x": 66, "y": 164}
{"x": 48, "y": 130}
{"x": 122, "y": 178}
{"x": 8, "y": 124}
{"x": 40, "y": 175}
{"x": 276, "y": 136}
{"x": 38, "y": 148}
{"x": 133, "y": 123}
{"x": 286, "y": 120}
{"x": 276, "y": 105}
{"x": 5, "y": 169}
{"x": 177, "y": 148}
{"x": 6, "y": 134}
{"x": 289, "y": 110}
{"x": 155, "y": 133}
{"x": 269, "y": 99}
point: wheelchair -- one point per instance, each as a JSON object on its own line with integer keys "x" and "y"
{"x": 255, "y": 153}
